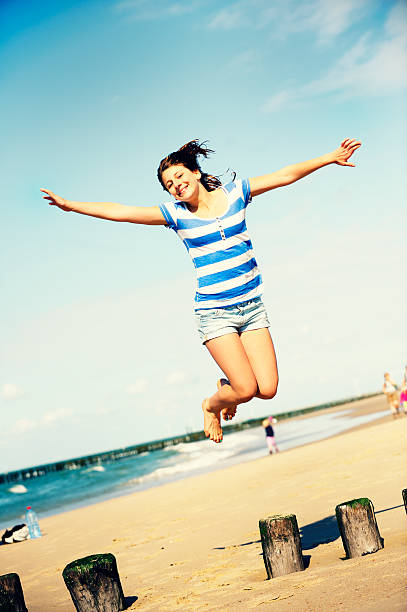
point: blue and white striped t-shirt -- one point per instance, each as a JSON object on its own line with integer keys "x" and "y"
{"x": 220, "y": 248}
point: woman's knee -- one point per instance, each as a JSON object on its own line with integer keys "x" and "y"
{"x": 268, "y": 390}
{"x": 245, "y": 391}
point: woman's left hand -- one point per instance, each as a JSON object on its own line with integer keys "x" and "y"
{"x": 345, "y": 151}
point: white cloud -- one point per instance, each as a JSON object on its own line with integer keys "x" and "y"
{"x": 229, "y": 18}
{"x": 396, "y": 24}
{"x": 327, "y": 19}
{"x": 368, "y": 68}
{"x": 145, "y": 10}
{"x": 279, "y": 100}
{"x": 283, "y": 17}
{"x": 175, "y": 377}
{"x": 50, "y": 418}
{"x": 10, "y": 391}
{"x": 24, "y": 425}
{"x": 139, "y": 386}
{"x": 246, "y": 60}
{"x": 105, "y": 409}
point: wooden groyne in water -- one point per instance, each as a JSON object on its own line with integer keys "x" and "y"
{"x": 137, "y": 449}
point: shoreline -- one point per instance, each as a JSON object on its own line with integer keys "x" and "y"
{"x": 193, "y": 544}
{"x": 355, "y": 409}
{"x": 362, "y": 407}
{"x": 36, "y": 471}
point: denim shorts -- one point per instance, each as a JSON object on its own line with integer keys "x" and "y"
{"x": 215, "y": 322}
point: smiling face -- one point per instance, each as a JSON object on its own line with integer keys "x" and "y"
{"x": 181, "y": 182}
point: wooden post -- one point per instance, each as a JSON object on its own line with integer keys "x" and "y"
{"x": 404, "y": 493}
{"x": 94, "y": 584}
{"x": 358, "y": 528}
{"x": 11, "y": 594}
{"x": 281, "y": 543}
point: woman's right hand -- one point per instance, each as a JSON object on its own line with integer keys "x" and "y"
{"x": 55, "y": 200}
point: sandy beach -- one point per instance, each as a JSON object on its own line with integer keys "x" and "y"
{"x": 195, "y": 545}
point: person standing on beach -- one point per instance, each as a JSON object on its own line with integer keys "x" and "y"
{"x": 210, "y": 220}
{"x": 390, "y": 390}
{"x": 270, "y": 438}
{"x": 403, "y": 397}
{"x": 403, "y": 392}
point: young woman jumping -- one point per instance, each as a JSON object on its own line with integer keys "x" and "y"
{"x": 210, "y": 220}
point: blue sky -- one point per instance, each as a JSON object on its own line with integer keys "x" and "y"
{"x": 98, "y": 343}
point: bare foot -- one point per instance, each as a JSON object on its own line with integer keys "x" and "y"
{"x": 227, "y": 413}
{"x": 212, "y": 427}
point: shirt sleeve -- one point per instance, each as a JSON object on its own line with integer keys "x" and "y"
{"x": 241, "y": 189}
{"x": 247, "y": 195}
{"x": 170, "y": 214}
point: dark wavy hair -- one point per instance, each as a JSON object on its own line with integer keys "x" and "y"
{"x": 187, "y": 156}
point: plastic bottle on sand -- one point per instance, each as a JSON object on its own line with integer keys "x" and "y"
{"x": 32, "y": 523}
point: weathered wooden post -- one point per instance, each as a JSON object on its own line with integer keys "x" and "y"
{"x": 94, "y": 584}
{"x": 404, "y": 493}
{"x": 11, "y": 594}
{"x": 281, "y": 543}
{"x": 358, "y": 528}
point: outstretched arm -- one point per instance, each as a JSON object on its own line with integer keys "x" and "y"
{"x": 290, "y": 174}
{"x": 147, "y": 215}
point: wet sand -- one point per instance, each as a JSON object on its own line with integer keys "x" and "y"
{"x": 194, "y": 544}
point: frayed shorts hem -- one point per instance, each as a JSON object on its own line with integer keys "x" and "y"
{"x": 230, "y": 330}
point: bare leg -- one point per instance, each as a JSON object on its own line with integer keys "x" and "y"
{"x": 259, "y": 349}
{"x": 230, "y": 355}
{"x": 269, "y": 445}
{"x": 242, "y": 359}
{"x": 394, "y": 409}
{"x": 227, "y": 413}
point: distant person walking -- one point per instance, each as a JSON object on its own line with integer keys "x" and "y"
{"x": 209, "y": 218}
{"x": 390, "y": 390}
{"x": 270, "y": 439}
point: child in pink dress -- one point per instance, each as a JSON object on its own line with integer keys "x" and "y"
{"x": 403, "y": 398}
{"x": 270, "y": 439}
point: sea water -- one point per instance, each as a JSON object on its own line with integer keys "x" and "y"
{"x": 61, "y": 491}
